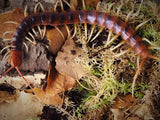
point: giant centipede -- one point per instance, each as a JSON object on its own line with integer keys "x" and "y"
{"x": 102, "y": 19}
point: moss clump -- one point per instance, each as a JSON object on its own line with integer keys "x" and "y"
{"x": 104, "y": 76}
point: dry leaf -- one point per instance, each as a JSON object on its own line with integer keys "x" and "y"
{"x": 7, "y": 97}
{"x": 124, "y": 101}
{"x": 92, "y": 3}
{"x": 118, "y": 114}
{"x": 56, "y": 83}
{"x": 143, "y": 111}
{"x": 55, "y": 39}
{"x": 24, "y": 107}
{"x": 48, "y": 99}
{"x": 66, "y": 63}
{"x": 133, "y": 118}
{"x": 16, "y": 15}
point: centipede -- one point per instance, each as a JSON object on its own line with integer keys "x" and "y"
{"x": 102, "y": 19}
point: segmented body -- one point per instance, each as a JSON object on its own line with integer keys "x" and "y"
{"x": 73, "y": 17}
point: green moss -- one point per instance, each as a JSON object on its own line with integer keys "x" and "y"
{"x": 102, "y": 70}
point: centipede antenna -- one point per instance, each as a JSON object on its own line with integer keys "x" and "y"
{"x": 7, "y": 32}
{"x": 25, "y": 46}
{"x": 60, "y": 32}
{"x": 109, "y": 8}
{"x": 24, "y": 78}
{"x": 123, "y": 52}
{"x": 32, "y": 37}
{"x": 75, "y": 31}
{"x": 12, "y": 22}
{"x": 138, "y": 26}
{"x": 121, "y": 43}
{"x": 6, "y": 47}
{"x": 35, "y": 33}
{"x": 7, "y": 71}
{"x": 100, "y": 30}
{"x": 136, "y": 75}
{"x": 93, "y": 27}
{"x": 25, "y": 10}
{"x": 9, "y": 39}
{"x": 30, "y": 40}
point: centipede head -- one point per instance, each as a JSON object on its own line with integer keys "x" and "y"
{"x": 15, "y": 58}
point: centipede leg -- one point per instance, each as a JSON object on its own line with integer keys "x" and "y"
{"x": 154, "y": 57}
{"x": 71, "y": 5}
{"x": 93, "y": 27}
{"x": 39, "y": 29}
{"x": 153, "y": 47}
{"x": 4, "y": 40}
{"x": 44, "y": 32}
{"x": 118, "y": 45}
{"x": 8, "y": 46}
{"x": 109, "y": 40}
{"x": 138, "y": 26}
{"x": 109, "y": 8}
{"x": 30, "y": 40}
{"x": 129, "y": 14}
{"x": 75, "y": 31}
{"x": 66, "y": 26}
{"x": 12, "y": 22}
{"x": 6, "y": 56}
{"x": 60, "y": 32}
{"x": 34, "y": 41}
{"x": 83, "y": 4}
{"x": 36, "y": 6}
{"x": 7, "y": 32}
{"x": 125, "y": 51}
{"x": 25, "y": 11}
{"x": 34, "y": 32}
{"x": 118, "y": 10}
{"x": 40, "y": 32}
{"x": 137, "y": 13}
{"x": 136, "y": 75}
{"x": 100, "y": 30}
{"x": 25, "y": 46}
